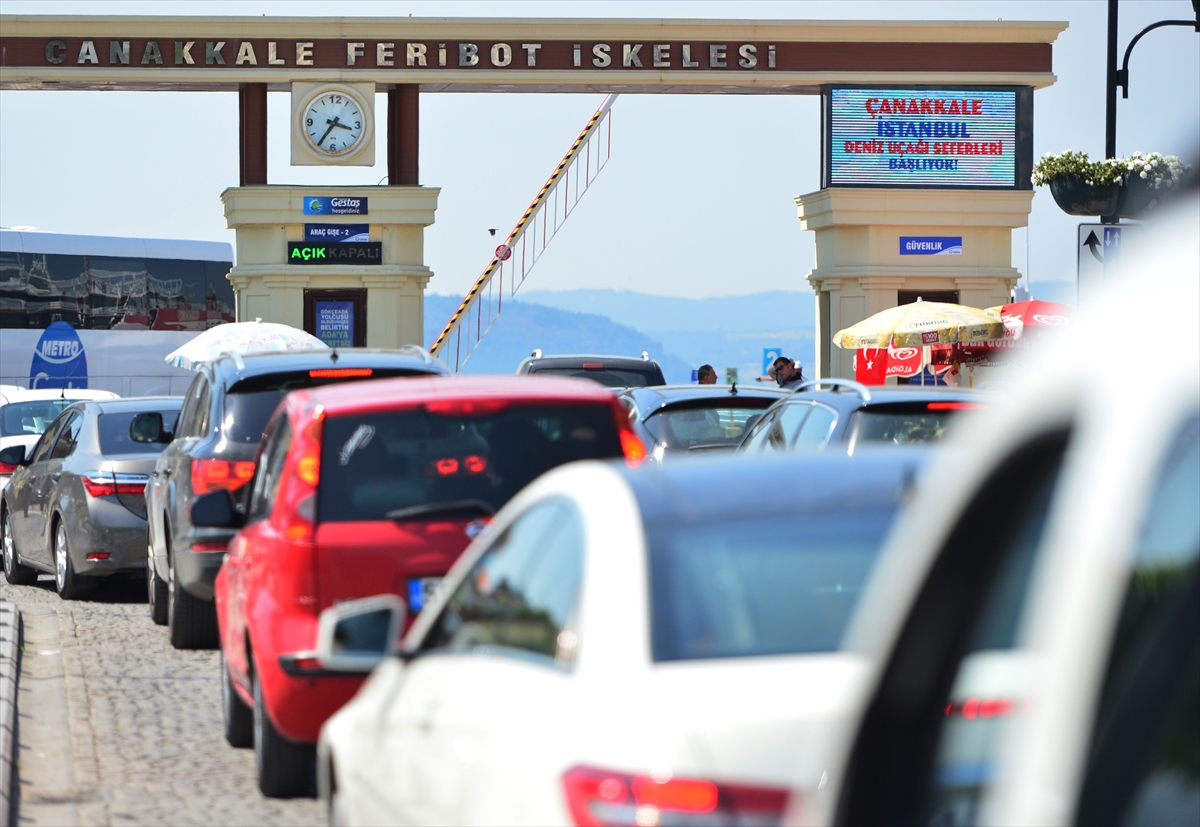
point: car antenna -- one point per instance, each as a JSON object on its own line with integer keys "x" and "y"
{"x": 333, "y": 356}
{"x": 733, "y": 389}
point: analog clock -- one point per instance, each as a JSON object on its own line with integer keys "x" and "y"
{"x": 335, "y": 122}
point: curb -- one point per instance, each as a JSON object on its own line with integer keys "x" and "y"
{"x": 10, "y": 631}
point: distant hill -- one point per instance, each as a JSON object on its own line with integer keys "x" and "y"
{"x": 775, "y": 310}
{"x": 525, "y": 326}
{"x": 726, "y": 331}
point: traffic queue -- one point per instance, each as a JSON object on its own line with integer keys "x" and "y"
{"x": 592, "y": 598}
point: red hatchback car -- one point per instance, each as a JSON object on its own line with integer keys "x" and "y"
{"x": 370, "y": 488}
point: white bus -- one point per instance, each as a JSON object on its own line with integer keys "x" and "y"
{"x": 100, "y": 312}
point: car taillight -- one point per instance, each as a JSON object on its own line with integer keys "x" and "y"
{"x": 300, "y": 493}
{"x": 107, "y": 484}
{"x": 633, "y": 448}
{"x": 598, "y": 797}
{"x": 211, "y": 474}
{"x": 953, "y": 406}
{"x": 466, "y": 407}
{"x": 340, "y": 373}
{"x": 449, "y": 466}
{"x": 977, "y": 708}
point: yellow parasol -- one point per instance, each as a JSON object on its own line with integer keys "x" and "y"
{"x": 921, "y": 324}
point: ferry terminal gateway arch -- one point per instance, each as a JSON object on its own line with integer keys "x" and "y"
{"x": 861, "y": 227}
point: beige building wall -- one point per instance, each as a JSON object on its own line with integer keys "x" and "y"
{"x": 266, "y": 218}
{"x": 860, "y": 271}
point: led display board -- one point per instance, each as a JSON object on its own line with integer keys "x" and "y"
{"x": 979, "y": 138}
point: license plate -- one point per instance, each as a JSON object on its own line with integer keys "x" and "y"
{"x": 420, "y": 590}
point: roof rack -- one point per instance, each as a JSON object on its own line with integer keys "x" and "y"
{"x": 836, "y": 383}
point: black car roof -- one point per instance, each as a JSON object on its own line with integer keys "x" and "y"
{"x": 230, "y": 368}
{"x": 577, "y": 360}
{"x": 739, "y": 487}
{"x": 653, "y": 398}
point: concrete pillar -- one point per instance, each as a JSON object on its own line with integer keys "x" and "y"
{"x": 859, "y": 267}
{"x": 266, "y": 218}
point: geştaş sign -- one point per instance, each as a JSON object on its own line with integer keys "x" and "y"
{"x": 924, "y": 137}
{"x": 334, "y": 205}
{"x": 336, "y": 252}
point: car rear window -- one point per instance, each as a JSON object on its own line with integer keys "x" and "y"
{"x": 113, "y": 429}
{"x": 251, "y": 401}
{"x": 712, "y": 424}
{"x": 610, "y": 377}
{"x": 908, "y": 424}
{"x": 771, "y": 584}
{"x": 30, "y": 418}
{"x": 374, "y": 463}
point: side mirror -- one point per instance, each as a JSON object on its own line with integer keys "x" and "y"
{"x": 148, "y": 427}
{"x": 216, "y": 510}
{"x": 352, "y": 637}
{"x": 13, "y": 455}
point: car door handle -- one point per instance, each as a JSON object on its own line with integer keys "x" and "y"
{"x": 166, "y": 472}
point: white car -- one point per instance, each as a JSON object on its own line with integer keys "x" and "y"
{"x": 1034, "y": 625}
{"x": 24, "y": 414}
{"x": 624, "y": 646}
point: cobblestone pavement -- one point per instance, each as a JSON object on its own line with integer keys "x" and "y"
{"x": 116, "y": 727}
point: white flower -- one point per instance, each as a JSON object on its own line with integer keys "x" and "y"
{"x": 1143, "y": 175}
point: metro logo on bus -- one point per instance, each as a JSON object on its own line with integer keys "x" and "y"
{"x": 59, "y": 360}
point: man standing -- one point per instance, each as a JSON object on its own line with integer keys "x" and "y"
{"x": 706, "y": 375}
{"x": 788, "y": 374}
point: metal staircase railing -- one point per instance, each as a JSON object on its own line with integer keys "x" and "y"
{"x": 515, "y": 258}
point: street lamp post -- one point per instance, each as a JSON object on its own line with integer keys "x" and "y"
{"x": 1120, "y": 77}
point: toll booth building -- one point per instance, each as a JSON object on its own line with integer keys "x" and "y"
{"x": 876, "y": 248}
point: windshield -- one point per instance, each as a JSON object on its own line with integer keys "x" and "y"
{"x": 30, "y": 418}
{"x": 113, "y": 429}
{"x": 609, "y": 377}
{"x": 768, "y": 585}
{"x": 904, "y": 425}
{"x": 250, "y": 402}
{"x": 375, "y": 463}
{"x": 711, "y": 425}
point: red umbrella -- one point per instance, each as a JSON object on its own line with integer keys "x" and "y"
{"x": 1034, "y": 313}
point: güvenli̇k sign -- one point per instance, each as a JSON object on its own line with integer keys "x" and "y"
{"x": 345, "y": 252}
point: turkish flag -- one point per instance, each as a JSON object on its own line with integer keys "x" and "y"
{"x": 870, "y": 365}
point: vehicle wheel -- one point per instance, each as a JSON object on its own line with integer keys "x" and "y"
{"x": 67, "y": 583}
{"x": 286, "y": 769}
{"x": 14, "y": 572}
{"x": 239, "y": 718}
{"x": 191, "y": 622}
{"x": 156, "y": 591}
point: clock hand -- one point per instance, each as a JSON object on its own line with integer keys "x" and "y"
{"x": 332, "y": 124}
{"x": 343, "y": 126}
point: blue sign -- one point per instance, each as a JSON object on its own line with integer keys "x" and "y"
{"x": 58, "y": 359}
{"x": 334, "y": 205}
{"x": 335, "y": 323}
{"x": 337, "y": 232}
{"x": 770, "y": 354}
{"x": 931, "y": 245}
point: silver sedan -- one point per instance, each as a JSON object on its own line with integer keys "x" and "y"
{"x": 76, "y": 506}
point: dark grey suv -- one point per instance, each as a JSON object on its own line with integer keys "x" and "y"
{"x": 224, "y": 414}
{"x": 76, "y": 508}
{"x": 610, "y": 371}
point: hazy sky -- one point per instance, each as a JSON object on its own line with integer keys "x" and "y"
{"x": 698, "y": 197}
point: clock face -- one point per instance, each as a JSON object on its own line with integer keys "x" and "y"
{"x": 334, "y": 123}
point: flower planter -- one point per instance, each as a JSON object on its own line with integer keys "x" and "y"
{"x": 1077, "y": 197}
{"x": 1139, "y": 197}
